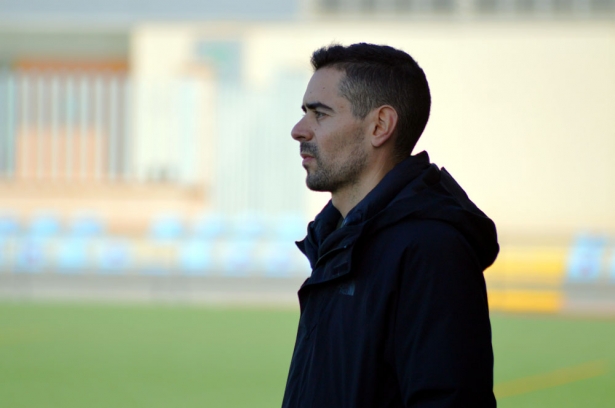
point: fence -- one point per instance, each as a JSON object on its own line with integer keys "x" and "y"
{"x": 60, "y": 126}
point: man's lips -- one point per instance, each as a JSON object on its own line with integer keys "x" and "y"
{"x": 306, "y": 158}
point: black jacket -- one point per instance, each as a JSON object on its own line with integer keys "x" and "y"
{"x": 395, "y": 311}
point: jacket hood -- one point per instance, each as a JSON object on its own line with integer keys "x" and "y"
{"x": 412, "y": 189}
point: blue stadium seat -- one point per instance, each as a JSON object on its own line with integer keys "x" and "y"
{"x": 46, "y": 225}
{"x": 72, "y": 255}
{"x": 33, "y": 255}
{"x": 196, "y": 258}
{"x": 239, "y": 257}
{"x": 166, "y": 228}
{"x": 86, "y": 226}
{"x": 158, "y": 255}
{"x": 210, "y": 226}
{"x": 585, "y": 259}
{"x": 9, "y": 225}
{"x": 114, "y": 256}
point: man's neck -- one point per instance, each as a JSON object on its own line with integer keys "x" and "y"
{"x": 345, "y": 199}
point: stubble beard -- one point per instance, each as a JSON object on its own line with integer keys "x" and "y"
{"x": 334, "y": 176}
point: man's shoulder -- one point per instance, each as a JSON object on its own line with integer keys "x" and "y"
{"x": 413, "y": 240}
{"x": 418, "y": 250}
{"x": 420, "y": 233}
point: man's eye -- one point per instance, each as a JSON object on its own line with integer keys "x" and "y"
{"x": 318, "y": 115}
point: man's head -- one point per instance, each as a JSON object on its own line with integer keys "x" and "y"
{"x": 365, "y": 105}
{"x": 377, "y": 75}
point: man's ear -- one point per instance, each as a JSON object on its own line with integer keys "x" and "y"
{"x": 383, "y": 125}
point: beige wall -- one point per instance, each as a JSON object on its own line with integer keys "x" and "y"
{"x": 170, "y": 96}
{"x": 523, "y": 113}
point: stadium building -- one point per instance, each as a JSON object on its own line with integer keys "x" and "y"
{"x": 162, "y": 131}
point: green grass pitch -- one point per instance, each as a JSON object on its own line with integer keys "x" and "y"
{"x": 92, "y": 355}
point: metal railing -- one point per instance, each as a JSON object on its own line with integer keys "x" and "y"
{"x": 61, "y": 126}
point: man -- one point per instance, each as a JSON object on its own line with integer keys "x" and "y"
{"x": 395, "y": 311}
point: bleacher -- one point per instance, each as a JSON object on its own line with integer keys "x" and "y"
{"x": 576, "y": 278}
{"x": 209, "y": 244}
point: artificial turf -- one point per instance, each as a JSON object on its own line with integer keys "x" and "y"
{"x": 566, "y": 362}
{"x": 93, "y": 355}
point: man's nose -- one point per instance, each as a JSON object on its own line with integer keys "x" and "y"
{"x": 300, "y": 131}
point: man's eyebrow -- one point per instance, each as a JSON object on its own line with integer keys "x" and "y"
{"x": 316, "y": 105}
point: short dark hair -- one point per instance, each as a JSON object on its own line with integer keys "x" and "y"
{"x": 379, "y": 75}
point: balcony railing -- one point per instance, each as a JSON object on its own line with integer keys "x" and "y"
{"x": 59, "y": 126}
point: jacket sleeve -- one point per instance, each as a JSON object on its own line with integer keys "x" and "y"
{"x": 441, "y": 335}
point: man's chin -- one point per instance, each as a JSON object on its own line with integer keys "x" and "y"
{"x": 318, "y": 189}
{"x": 315, "y": 185}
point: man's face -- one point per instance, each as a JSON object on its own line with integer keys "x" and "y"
{"x": 333, "y": 143}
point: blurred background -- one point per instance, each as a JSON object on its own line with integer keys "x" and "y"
{"x": 146, "y": 157}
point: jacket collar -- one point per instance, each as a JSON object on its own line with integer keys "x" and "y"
{"x": 323, "y": 235}
{"x": 388, "y": 188}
